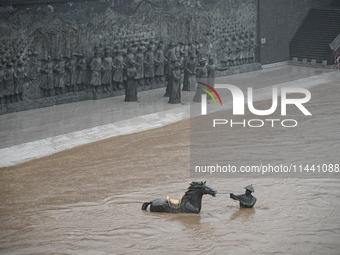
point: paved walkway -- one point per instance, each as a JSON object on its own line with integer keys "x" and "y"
{"x": 45, "y": 131}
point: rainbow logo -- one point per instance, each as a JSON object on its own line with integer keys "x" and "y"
{"x": 207, "y": 86}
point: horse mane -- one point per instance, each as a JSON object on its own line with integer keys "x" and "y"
{"x": 190, "y": 190}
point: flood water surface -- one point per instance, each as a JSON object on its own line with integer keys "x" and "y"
{"x": 88, "y": 201}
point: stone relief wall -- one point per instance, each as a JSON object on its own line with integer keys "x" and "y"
{"x": 50, "y": 57}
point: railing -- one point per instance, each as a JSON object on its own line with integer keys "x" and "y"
{"x": 335, "y": 44}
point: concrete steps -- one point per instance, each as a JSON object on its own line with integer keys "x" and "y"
{"x": 317, "y": 31}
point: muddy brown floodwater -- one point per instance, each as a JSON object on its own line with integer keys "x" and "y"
{"x": 88, "y": 201}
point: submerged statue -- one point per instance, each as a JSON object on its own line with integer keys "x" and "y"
{"x": 247, "y": 200}
{"x": 190, "y": 202}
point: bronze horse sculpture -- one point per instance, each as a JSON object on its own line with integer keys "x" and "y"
{"x": 190, "y": 202}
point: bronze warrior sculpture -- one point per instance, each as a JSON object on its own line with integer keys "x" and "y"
{"x": 247, "y": 200}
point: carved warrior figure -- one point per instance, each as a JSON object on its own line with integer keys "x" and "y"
{"x": 185, "y": 50}
{"x": 60, "y": 78}
{"x": 71, "y": 78}
{"x": 234, "y": 51}
{"x": 55, "y": 76}
{"x": 152, "y": 45}
{"x": 211, "y": 68}
{"x": 189, "y": 82}
{"x": 201, "y": 76}
{"x": 81, "y": 72}
{"x": 192, "y": 49}
{"x": 252, "y": 46}
{"x": 118, "y": 65}
{"x": 33, "y": 66}
{"x": 2, "y": 74}
{"x": 169, "y": 84}
{"x": 159, "y": 63}
{"x": 19, "y": 78}
{"x": 130, "y": 56}
{"x": 199, "y": 50}
{"x": 47, "y": 81}
{"x": 107, "y": 71}
{"x": 139, "y": 58}
{"x": 9, "y": 83}
{"x": 96, "y": 69}
{"x": 170, "y": 55}
{"x": 131, "y": 85}
{"x": 241, "y": 48}
{"x": 183, "y": 55}
{"x": 246, "y": 48}
{"x": 175, "y": 90}
{"x": 226, "y": 52}
{"x": 149, "y": 65}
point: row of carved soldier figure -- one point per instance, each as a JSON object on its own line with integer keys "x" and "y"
{"x": 193, "y": 72}
{"x": 12, "y": 71}
{"x": 102, "y": 72}
{"x": 152, "y": 64}
{"x": 142, "y": 67}
{"x": 63, "y": 74}
{"x": 12, "y": 81}
{"x": 107, "y": 70}
{"x": 238, "y": 49}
